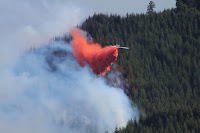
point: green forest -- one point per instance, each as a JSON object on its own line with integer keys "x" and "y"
{"x": 162, "y": 65}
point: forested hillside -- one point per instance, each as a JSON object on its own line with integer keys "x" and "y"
{"x": 162, "y": 66}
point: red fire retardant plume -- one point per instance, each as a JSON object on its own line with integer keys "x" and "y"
{"x": 99, "y": 59}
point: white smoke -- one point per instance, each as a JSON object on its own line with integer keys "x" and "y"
{"x": 45, "y": 91}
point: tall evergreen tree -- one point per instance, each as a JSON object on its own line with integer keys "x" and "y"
{"x": 150, "y": 7}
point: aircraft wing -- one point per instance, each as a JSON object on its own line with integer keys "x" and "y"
{"x": 118, "y": 46}
{"x": 123, "y": 48}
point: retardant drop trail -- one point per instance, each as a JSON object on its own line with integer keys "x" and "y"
{"x": 99, "y": 59}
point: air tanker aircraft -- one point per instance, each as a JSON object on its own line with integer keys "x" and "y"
{"x": 118, "y": 46}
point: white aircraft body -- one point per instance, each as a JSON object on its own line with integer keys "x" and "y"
{"x": 118, "y": 46}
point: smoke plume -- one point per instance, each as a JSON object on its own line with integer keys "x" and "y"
{"x": 99, "y": 59}
{"x": 46, "y": 91}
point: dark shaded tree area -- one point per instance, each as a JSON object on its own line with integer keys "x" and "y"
{"x": 185, "y": 4}
{"x": 162, "y": 66}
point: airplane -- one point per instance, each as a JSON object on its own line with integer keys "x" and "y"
{"x": 118, "y": 46}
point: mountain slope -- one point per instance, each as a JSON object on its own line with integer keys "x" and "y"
{"x": 163, "y": 65}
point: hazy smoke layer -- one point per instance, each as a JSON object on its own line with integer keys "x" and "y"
{"x": 30, "y": 23}
{"x": 46, "y": 91}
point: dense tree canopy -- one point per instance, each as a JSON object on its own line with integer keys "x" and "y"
{"x": 184, "y": 4}
{"x": 162, "y": 67}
